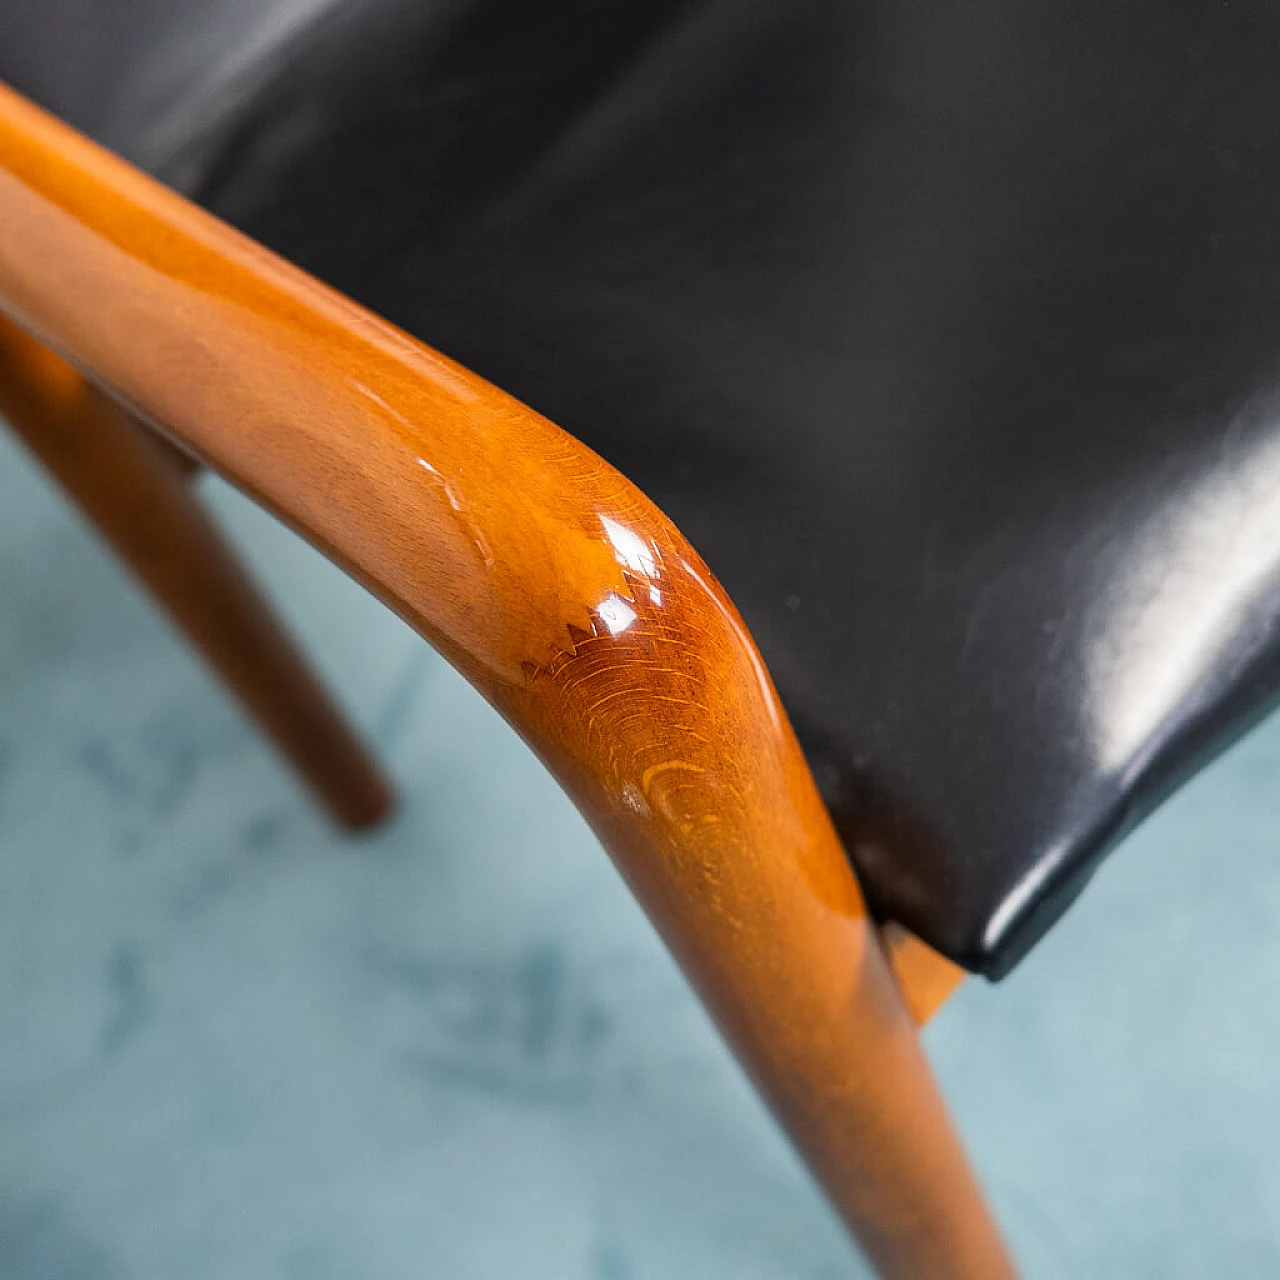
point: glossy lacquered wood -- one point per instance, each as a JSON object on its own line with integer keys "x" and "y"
{"x": 132, "y": 488}
{"x": 566, "y": 598}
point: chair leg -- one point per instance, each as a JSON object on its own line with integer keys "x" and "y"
{"x": 811, "y": 1007}
{"x": 725, "y": 842}
{"x": 135, "y": 494}
{"x": 860, "y": 1100}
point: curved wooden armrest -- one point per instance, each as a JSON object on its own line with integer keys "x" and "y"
{"x": 563, "y": 595}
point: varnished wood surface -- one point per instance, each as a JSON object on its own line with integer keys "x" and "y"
{"x": 925, "y": 978}
{"x": 567, "y": 599}
{"x": 133, "y": 490}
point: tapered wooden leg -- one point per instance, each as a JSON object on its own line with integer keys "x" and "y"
{"x": 806, "y": 998}
{"x": 725, "y": 842}
{"x": 133, "y": 489}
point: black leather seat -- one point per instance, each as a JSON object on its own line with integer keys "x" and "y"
{"x": 948, "y": 333}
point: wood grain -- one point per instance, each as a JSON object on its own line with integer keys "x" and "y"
{"x": 567, "y": 599}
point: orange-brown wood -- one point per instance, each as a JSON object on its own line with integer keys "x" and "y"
{"x": 133, "y": 491}
{"x": 925, "y": 978}
{"x": 567, "y": 599}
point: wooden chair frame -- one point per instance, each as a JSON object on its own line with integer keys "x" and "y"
{"x": 552, "y": 583}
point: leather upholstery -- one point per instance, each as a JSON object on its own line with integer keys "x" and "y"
{"x": 949, "y": 333}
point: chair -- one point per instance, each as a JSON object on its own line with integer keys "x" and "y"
{"x": 943, "y": 332}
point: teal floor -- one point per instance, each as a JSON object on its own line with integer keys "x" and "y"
{"x": 233, "y": 1045}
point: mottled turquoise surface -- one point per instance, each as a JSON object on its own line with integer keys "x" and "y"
{"x": 233, "y": 1045}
